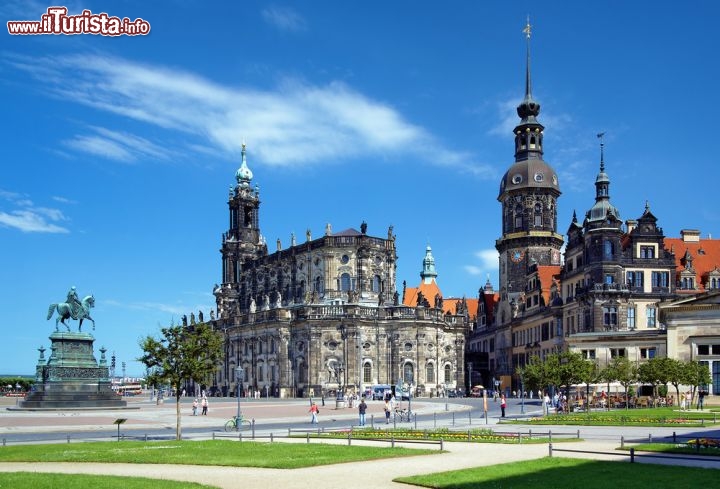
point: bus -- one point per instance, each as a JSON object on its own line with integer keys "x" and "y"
{"x": 128, "y": 389}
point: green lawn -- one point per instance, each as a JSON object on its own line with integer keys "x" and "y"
{"x": 555, "y": 472}
{"x": 634, "y": 417}
{"x": 18, "y": 480}
{"x": 210, "y": 452}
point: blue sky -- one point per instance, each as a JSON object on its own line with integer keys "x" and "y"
{"x": 117, "y": 153}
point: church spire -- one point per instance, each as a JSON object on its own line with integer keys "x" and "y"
{"x": 428, "y": 273}
{"x": 528, "y": 134}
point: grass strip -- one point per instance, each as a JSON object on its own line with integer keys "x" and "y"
{"x": 555, "y": 472}
{"x": 15, "y": 480}
{"x": 208, "y": 452}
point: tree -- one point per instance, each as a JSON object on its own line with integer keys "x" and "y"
{"x": 698, "y": 374}
{"x": 182, "y": 353}
{"x": 623, "y": 371}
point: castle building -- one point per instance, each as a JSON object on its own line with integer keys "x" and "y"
{"x": 323, "y": 316}
{"x": 603, "y": 298}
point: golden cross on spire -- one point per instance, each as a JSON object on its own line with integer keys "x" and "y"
{"x": 527, "y": 28}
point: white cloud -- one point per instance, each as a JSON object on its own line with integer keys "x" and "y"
{"x": 488, "y": 262}
{"x": 28, "y": 218}
{"x": 293, "y": 124}
{"x": 114, "y": 145}
{"x": 284, "y": 18}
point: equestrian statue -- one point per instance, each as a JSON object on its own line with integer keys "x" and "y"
{"x": 73, "y": 308}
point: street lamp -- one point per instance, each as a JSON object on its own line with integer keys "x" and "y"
{"x": 522, "y": 394}
{"x": 239, "y": 376}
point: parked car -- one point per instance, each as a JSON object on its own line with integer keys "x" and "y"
{"x": 380, "y": 390}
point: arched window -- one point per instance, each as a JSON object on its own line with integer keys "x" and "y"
{"x": 532, "y": 142}
{"x": 448, "y": 373}
{"x": 367, "y": 372}
{"x": 538, "y": 215}
{"x": 318, "y": 284}
{"x": 345, "y": 282}
{"x": 408, "y": 373}
{"x": 430, "y": 373}
{"x": 376, "y": 283}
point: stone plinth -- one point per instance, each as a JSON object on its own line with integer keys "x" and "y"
{"x": 72, "y": 378}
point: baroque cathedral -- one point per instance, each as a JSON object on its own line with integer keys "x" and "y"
{"x": 323, "y": 315}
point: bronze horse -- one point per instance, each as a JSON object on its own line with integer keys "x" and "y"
{"x": 67, "y": 311}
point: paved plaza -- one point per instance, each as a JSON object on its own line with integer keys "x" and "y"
{"x": 602, "y": 441}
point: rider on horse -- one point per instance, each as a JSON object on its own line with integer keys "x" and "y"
{"x": 74, "y": 302}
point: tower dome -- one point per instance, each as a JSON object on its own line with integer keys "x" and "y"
{"x": 243, "y": 175}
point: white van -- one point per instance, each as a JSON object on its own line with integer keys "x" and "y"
{"x": 380, "y": 390}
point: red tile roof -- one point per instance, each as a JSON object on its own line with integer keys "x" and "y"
{"x": 705, "y": 254}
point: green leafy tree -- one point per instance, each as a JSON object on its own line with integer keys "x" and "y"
{"x": 182, "y": 353}
{"x": 677, "y": 373}
{"x": 698, "y": 374}
{"x": 623, "y": 371}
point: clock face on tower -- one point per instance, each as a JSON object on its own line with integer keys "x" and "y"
{"x": 517, "y": 256}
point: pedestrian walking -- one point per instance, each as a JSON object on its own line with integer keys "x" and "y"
{"x": 387, "y": 411}
{"x": 195, "y": 407}
{"x": 204, "y": 405}
{"x": 314, "y": 413}
{"x": 362, "y": 407}
{"x": 503, "y": 405}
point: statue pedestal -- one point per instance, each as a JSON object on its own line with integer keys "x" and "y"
{"x": 72, "y": 378}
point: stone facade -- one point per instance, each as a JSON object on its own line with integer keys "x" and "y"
{"x": 323, "y": 315}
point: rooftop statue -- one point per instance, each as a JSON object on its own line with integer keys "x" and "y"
{"x": 72, "y": 309}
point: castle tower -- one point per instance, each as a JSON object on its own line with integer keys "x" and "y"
{"x": 528, "y": 194}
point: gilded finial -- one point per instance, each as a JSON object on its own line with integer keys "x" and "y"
{"x": 527, "y": 28}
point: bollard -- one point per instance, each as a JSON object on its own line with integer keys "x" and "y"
{"x": 415, "y": 414}
{"x": 674, "y": 437}
{"x": 271, "y": 437}
{"x": 578, "y": 434}
{"x": 453, "y": 422}
{"x": 550, "y": 449}
{"x": 392, "y": 442}
{"x": 469, "y": 417}
{"x": 530, "y": 433}
{"x": 349, "y": 438}
{"x": 146, "y": 435}
{"x": 622, "y": 441}
{"x": 434, "y": 420}
{"x": 69, "y": 438}
{"x": 395, "y": 421}
{"x": 252, "y": 424}
{"x": 289, "y": 432}
{"x": 308, "y": 437}
{"x": 442, "y": 444}
{"x": 213, "y": 435}
{"x": 372, "y": 421}
{"x": 4, "y": 442}
{"x": 632, "y": 455}
{"x": 239, "y": 435}
{"x": 550, "y": 435}
{"x": 650, "y": 438}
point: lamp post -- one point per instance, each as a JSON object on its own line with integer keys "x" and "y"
{"x": 239, "y": 376}
{"x": 522, "y": 394}
{"x": 446, "y": 396}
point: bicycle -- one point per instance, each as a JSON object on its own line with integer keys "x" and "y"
{"x": 237, "y": 423}
{"x": 402, "y": 415}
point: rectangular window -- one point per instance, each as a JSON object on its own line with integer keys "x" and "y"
{"x": 635, "y": 279}
{"x": 609, "y": 317}
{"x": 716, "y": 349}
{"x": 647, "y": 252}
{"x": 651, "y": 317}
{"x": 588, "y": 354}
{"x": 609, "y": 279}
{"x": 631, "y": 318}
{"x": 617, "y": 352}
{"x": 660, "y": 279}
{"x": 647, "y": 353}
{"x": 703, "y": 349}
